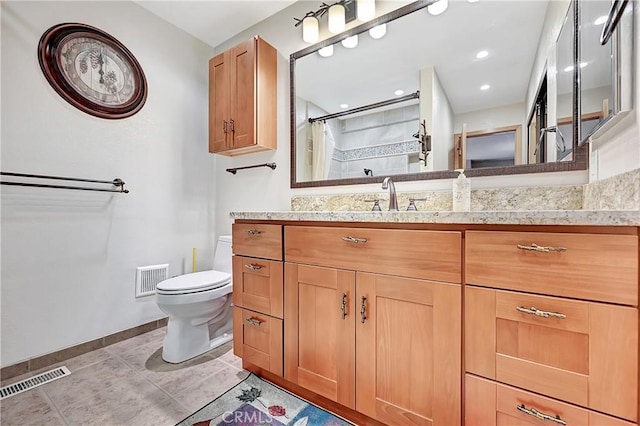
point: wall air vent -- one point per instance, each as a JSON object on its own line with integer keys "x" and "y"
{"x": 147, "y": 277}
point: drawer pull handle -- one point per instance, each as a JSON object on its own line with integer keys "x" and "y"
{"x": 363, "y": 309}
{"x": 343, "y": 305}
{"x": 253, "y": 232}
{"x": 540, "y": 415}
{"x": 539, "y": 313}
{"x": 254, "y": 321}
{"x": 535, "y": 247}
{"x": 351, "y": 239}
{"x": 253, "y": 266}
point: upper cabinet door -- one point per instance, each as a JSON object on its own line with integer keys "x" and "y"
{"x": 218, "y": 103}
{"x": 243, "y": 103}
{"x": 242, "y": 99}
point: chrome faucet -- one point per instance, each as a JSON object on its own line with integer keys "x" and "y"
{"x": 393, "y": 201}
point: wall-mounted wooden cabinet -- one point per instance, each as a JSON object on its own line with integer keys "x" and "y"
{"x": 242, "y": 99}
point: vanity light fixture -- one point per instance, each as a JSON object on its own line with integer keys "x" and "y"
{"x": 366, "y": 10}
{"x": 482, "y": 54}
{"x": 398, "y": 92}
{"x": 325, "y": 52}
{"x": 485, "y": 87}
{"x": 310, "y": 29}
{"x": 338, "y": 13}
{"x": 336, "y": 18}
{"x": 350, "y": 42}
{"x": 378, "y": 31}
{"x": 438, "y": 7}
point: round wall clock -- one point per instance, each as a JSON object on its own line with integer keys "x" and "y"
{"x": 92, "y": 70}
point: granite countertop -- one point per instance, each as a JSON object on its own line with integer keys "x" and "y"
{"x": 505, "y": 217}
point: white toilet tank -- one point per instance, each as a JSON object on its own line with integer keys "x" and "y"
{"x": 222, "y": 256}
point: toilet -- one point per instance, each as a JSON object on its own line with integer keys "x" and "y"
{"x": 199, "y": 308}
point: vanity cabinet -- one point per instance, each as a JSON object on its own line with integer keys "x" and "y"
{"x": 258, "y": 295}
{"x": 555, "y": 314}
{"x": 376, "y": 293}
{"x": 242, "y": 99}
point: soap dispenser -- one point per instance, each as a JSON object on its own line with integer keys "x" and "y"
{"x": 461, "y": 193}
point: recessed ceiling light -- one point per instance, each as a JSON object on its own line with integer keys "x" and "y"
{"x": 398, "y": 92}
{"x": 482, "y": 54}
{"x": 343, "y": 106}
{"x": 485, "y": 87}
{"x": 570, "y": 67}
{"x": 601, "y": 20}
{"x": 438, "y": 7}
{"x": 325, "y": 52}
{"x": 472, "y": 1}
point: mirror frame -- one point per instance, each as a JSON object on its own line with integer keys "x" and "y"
{"x": 580, "y": 152}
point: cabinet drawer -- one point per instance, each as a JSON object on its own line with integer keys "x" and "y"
{"x": 489, "y": 403}
{"x": 257, "y": 339}
{"x": 575, "y": 351}
{"x": 593, "y": 266}
{"x": 257, "y": 285}
{"x": 263, "y": 241}
{"x": 433, "y": 255}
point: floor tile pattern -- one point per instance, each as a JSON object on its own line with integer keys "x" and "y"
{"x": 126, "y": 383}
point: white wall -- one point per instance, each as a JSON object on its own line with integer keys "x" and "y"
{"x": 69, "y": 257}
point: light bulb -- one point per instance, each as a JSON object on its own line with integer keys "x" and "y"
{"x": 438, "y": 7}
{"x": 310, "y": 32}
{"x": 336, "y": 18}
{"x": 350, "y": 42}
{"x": 325, "y": 52}
{"x": 378, "y": 32}
{"x": 366, "y": 10}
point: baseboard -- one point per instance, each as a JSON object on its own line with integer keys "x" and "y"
{"x": 43, "y": 361}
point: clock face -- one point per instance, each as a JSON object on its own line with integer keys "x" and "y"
{"x": 92, "y": 70}
{"x": 96, "y": 70}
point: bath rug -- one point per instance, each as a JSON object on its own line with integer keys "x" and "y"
{"x": 255, "y": 402}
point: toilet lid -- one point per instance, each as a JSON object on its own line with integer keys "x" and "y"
{"x": 197, "y": 281}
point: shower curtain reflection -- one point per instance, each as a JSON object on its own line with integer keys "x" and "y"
{"x": 322, "y": 145}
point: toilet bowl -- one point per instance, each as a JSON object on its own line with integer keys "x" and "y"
{"x": 199, "y": 308}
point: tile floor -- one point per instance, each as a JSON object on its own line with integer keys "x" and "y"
{"x": 127, "y": 383}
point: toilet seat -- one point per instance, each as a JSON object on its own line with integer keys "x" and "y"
{"x": 194, "y": 283}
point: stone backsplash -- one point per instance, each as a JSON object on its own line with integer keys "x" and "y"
{"x": 621, "y": 192}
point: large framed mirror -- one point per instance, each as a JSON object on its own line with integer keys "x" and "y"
{"x": 433, "y": 94}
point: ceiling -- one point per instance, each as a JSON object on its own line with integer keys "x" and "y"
{"x": 215, "y": 21}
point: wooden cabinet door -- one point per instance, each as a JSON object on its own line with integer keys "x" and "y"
{"x": 219, "y": 99}
{"x": 319, "y": 333}
{"x": 408, "y": 343}
{"x": 243, "y": 78}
